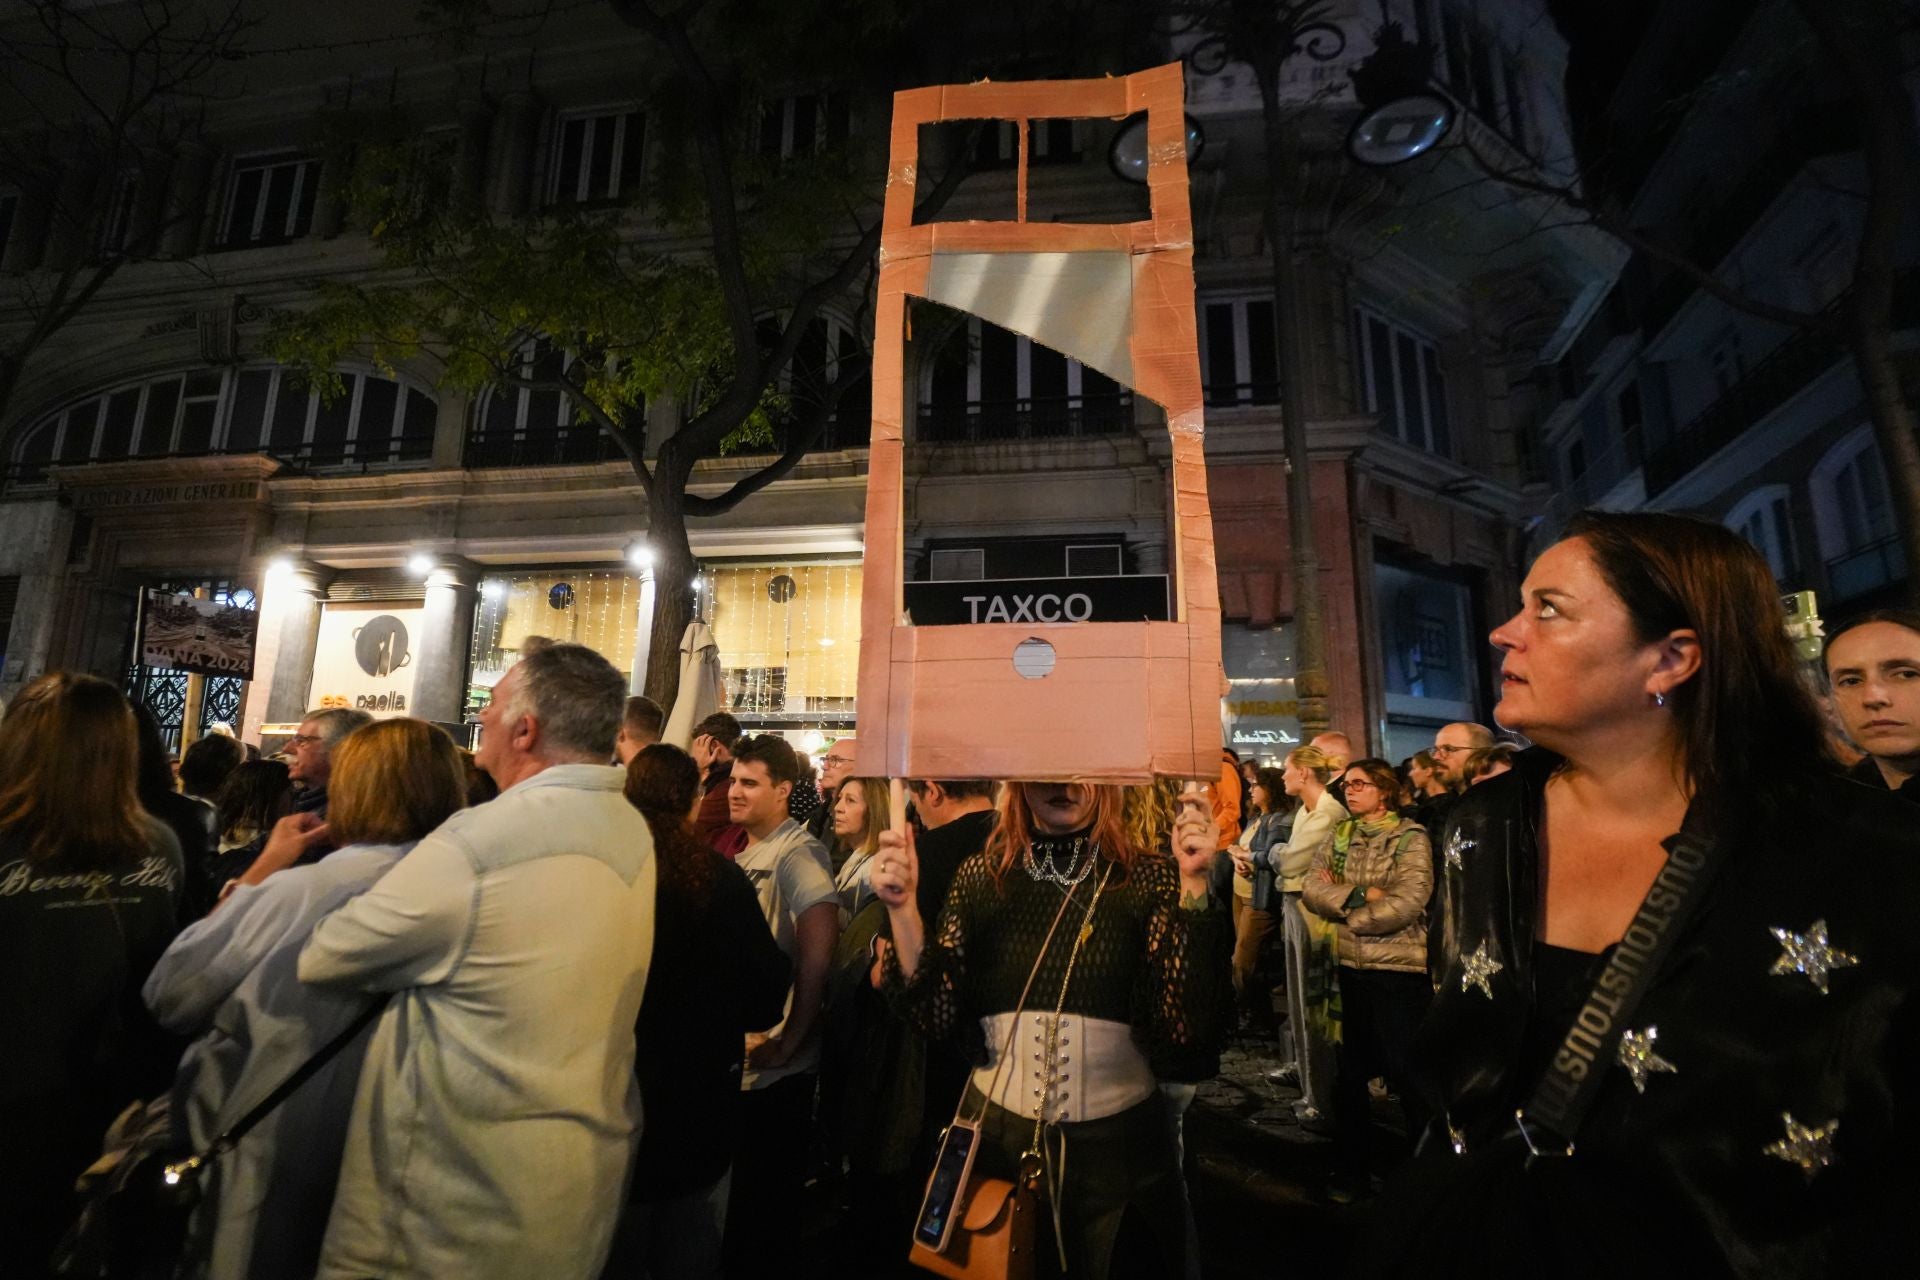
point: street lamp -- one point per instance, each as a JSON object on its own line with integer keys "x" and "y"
{"x": 1128, "y": 158}
{"x": 1402, "y": 115}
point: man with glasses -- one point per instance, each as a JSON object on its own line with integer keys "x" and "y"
{"x": 309, "y": 757}
{"x": 835, "y": 767}
{"x": 1451, "y": 747}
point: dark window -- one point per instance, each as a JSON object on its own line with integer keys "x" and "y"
{"x": 77, "y": 444}
{"x": 330, "y": 426}
{"x": 598, "y": 157}
{"x": 290, "y": 407}
{"x": 244, "y": 426}
{"x": 1628, "y": 405}
{"x": 156, "y": 426}
{"x": 416, "y": 440}
{"x": 803, "y": 124}
{"x": 116, "y": 436}
{"x": 1403, "y": 383}
{"x": 199, "y": 409}
{"x": 9, "y": 209}
{"x": 1240, "y": 359}
{"x": 378, "y": 401}
{"x": 117, "y": 231}
{"x": 37, "y": 450}
{"x": 269, "y": 202}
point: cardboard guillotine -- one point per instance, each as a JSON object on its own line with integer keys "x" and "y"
{"x": 1110, "y": 702}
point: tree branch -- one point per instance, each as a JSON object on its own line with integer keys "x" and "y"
{"x": 1700, "y": 277}
{"x": 800, "y": 440}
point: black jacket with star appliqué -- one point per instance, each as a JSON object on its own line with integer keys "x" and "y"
{"x": 1678, "y": 1179}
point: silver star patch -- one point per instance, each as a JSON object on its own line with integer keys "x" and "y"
{"x": 1808, "y": 954}
{"x": 1638, "y": 1057}
{"x": 1809, "y": 1146}
{"x": 1477, "y": 968}
{"x": 1457, "y": 845}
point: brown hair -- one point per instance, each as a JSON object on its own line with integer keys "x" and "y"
{"x": 393, "y": 781}
{"x": 1676, "y": 573}
{"x": 1149, "y": 811}
{"x": 67, "y": 757}
{"x": 1012, "y": 835}
{"x": 1424, "y": 759}
{"x": 878, "y": 797}
{"x": 1907, "y": 618}
{"x": 1274, "y": 782}
{"x": 662, "y": 781}
{"x": 773, "y": 753}
{"x": 1382, "y": 775}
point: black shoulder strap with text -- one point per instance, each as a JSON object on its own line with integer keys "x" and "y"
{"x": 1578, "y": 1069}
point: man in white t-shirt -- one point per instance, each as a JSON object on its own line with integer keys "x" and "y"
{"x": 794, "y": 878}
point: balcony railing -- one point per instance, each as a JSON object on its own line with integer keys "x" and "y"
{"x": 573, "y": 447}
{"x": 1053, "y": 418}
{"x": 1872, "y": 566}
{"x": 1766, "y": 387}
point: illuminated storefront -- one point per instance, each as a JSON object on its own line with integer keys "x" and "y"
{"x": 788, "y": 632}
{"x": 1260, "y": 716}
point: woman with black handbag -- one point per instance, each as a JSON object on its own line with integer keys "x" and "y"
{"x": 1080, "y": 971}
{"x": 89, "y": 898}
{"x": 1678, "y": 994}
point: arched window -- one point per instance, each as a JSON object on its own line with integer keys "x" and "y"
{"x": 1853, "y": 510}
{"x": 829, "y": 350}
{"x": 1764, "y": 518}
{"x": 253, "y": 409}
{"x": 532, "y": 426}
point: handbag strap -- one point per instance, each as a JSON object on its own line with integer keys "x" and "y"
{"x": 1574, "y": 1076}
{"x": 281, "y": 1092}
{"x": 1020, "y": 1006}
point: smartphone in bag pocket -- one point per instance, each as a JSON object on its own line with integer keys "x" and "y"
{"x": 947, "y": 1188}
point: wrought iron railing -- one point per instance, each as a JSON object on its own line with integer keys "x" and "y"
{"x": 1054, "y": 418}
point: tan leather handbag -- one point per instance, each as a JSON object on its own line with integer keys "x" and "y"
{"x": 995, "y": 1237}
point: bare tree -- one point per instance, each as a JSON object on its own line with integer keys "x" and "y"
{"x": 96, "y": 98}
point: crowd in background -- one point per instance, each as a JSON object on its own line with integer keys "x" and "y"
{"x": 588, "y": 1003}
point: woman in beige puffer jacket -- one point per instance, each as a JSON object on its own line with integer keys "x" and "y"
{"x": 1371, "y": 883}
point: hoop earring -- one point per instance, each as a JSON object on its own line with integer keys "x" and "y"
{"x": 1659, "y": 699}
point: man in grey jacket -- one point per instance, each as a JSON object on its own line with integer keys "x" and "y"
{"x": 497, "y": 1108}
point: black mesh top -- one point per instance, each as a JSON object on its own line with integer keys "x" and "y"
{"x": 1161, "y": 968}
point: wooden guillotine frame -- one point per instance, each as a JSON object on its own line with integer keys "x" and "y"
{"x": 1110, "y": 702}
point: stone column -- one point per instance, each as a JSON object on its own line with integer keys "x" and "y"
{"x": 1148, "y": 556}
{"x": 518, "y": 127}
{"x": 289, "y": 638}
{"x": 186, "y": 204}
{"x": 450, "y": 428}
{"x": 643, "y": 635}
{"x": 440, "y": 670}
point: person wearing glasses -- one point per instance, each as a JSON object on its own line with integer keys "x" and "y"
{"x": 1367, "y": 959}
{"x": 309, "y": 757}
{"x": 834, "y": 767}
{"x": 1451, "y": 748}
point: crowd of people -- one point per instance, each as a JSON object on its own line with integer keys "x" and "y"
{"x": 583, "y": 1003}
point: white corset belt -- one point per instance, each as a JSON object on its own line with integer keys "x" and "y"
{"x": 1098, "y": 1070}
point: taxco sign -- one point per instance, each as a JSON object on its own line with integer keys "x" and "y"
{"x": 1119, "y": 598}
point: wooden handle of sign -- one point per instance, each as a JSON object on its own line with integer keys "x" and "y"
{"x": 897, "y": 797}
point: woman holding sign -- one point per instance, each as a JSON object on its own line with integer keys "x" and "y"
{"x": 1676, "y": 1024}
{"x": 1078, "y": 970}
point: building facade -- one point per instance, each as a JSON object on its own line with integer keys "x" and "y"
{"x": 401, "y": 540}
{"x": 1676, "y": 399}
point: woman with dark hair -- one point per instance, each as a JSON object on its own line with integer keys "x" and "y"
{"x": 1128, "y": 956}
{"x": 255, "y": 796}
{"x": 191, "y": 821}
{"x": 89, "y": 898}
{"x": 231, "y": 981}
{"x": 1367, "y": 987}
{"x": 207, "y": 764}
{"x": 1675, "y": 1025}
{"x": 717, "y": 975}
